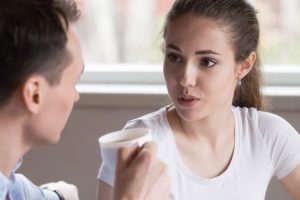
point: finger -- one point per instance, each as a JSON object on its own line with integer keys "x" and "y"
{"x": 150, "y": 146}
{"x": 147, "y": 152}
{"x": 157, "y": 170}
{"x": 145, "y": 158}
{"x": 160, "y": 180}
{"x": 126, "y": 155}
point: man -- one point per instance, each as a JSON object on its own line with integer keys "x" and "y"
{"x": 40, "y": 63}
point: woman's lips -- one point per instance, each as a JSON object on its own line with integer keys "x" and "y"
{"x": 187, "y": 101}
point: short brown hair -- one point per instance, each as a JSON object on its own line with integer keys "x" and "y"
{"x": 33, "y": 41}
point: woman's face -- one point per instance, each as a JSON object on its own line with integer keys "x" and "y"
{"x": 199, "y": 67}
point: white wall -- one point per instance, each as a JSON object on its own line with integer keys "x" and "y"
{"x": 76, "y": 158}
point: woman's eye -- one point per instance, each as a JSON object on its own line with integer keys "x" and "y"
{"x": 207, "y": 62}
{"x": 174, "y": 58}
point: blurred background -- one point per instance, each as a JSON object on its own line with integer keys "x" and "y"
{"x": 129, "y": 31}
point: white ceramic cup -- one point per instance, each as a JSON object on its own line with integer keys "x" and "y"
{"x": 111, "y": 142}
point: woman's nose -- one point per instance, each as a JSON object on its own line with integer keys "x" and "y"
{"x": 188, "y": 77}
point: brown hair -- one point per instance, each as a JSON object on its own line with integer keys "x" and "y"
{"x": 33, "y": 35}
{"x": 241, "y": 22}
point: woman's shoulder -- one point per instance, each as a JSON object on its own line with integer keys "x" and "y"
{"x": 273, "y": 122}
{"x": 267, "y": 124}
{"x": 264, "y": 122}
{"x": 281, "y": 140}
{"x": 158, "y": 124}
{"x": 148, "y": 120}
{"x": 261, "y": 118}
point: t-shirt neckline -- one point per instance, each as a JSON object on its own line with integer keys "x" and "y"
{"x": 183, "y": 168}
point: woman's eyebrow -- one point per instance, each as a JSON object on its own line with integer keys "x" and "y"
{"x": 200, "y": 52}
{"x": 172, "y": 46}
{"x": 206, "y": 52}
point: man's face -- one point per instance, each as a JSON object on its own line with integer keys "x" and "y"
{"x": 59, "y": 99}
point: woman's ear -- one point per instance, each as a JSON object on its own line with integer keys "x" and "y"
{"x": 245, "y": 67}
{"x": 32, "y": 93}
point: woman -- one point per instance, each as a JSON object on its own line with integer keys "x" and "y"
{"x": 215, "y": 139}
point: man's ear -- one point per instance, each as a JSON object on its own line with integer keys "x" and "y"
{"x": 245, "y": 67}
{"x": 32, "y": 93}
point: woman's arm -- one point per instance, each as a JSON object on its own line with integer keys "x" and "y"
{"x": 105, "y": 191}
{"x": 292, "y": 183}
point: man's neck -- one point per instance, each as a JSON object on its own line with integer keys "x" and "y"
{"x": 10, "y": 155}
{"x": 12, "y": 145}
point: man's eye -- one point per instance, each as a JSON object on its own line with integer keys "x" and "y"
{"x": 207, "y": 62}
{"x": 174, "y": 58}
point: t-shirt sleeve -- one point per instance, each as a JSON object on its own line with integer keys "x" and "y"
{"x": 106, "y": 172}
{"x": 135, "y": 124}
{"x": 283, "y": 143}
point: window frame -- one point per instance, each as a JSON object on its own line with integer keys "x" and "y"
{"x": 142, "y": 86}
{"x": 152, "y": 74}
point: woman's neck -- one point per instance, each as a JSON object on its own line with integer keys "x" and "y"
{"x": 206, "y": 146}
{"x": 215, "y": 127}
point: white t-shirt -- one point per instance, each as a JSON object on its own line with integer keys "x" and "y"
{"x": 265, "y": 146}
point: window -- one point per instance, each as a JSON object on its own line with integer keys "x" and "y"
{"x": 280, "y": 31}
{"x": 124, "y": 36}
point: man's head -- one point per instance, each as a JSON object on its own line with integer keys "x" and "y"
{"x": 33, "y": 38}
{"x": 40, "y": 63}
